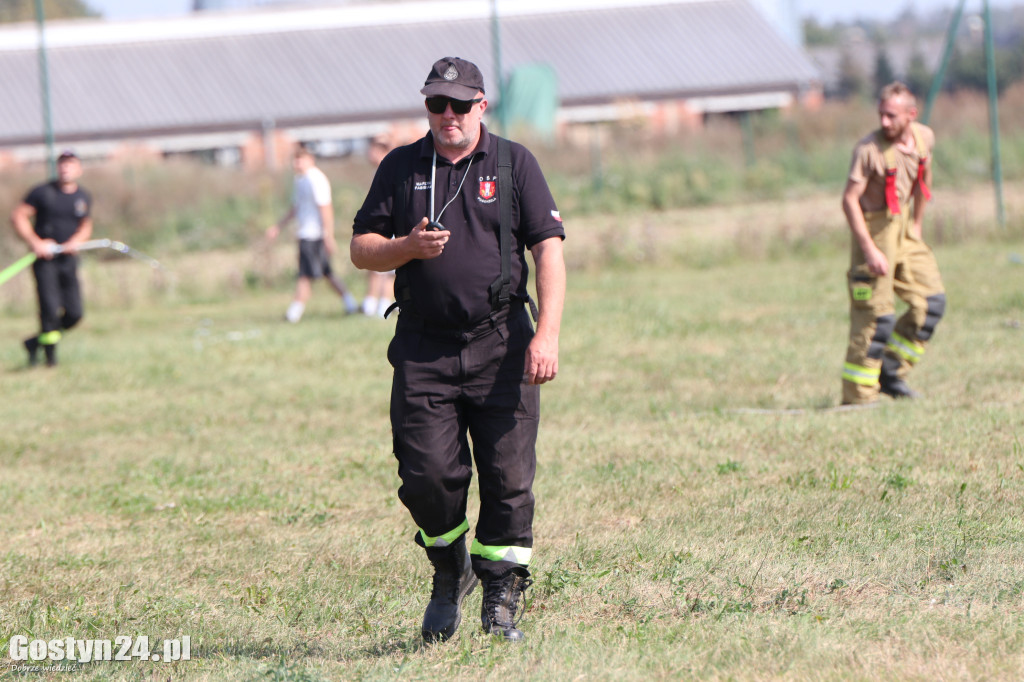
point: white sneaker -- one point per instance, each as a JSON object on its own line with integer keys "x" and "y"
{"x": 294, "y": 312}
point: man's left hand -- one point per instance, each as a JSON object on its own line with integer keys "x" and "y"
{"x": 541, "y": 360}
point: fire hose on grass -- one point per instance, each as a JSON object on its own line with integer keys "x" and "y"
{"x": 27, "y": 260}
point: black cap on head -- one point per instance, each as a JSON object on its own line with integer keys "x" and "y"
{"x": 67, "y": 154}
{"x": 455, "y": 78}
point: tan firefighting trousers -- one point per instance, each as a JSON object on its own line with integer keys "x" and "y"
{"x": 881, "y": 348}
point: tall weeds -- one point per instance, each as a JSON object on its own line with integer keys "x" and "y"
{"x": 181, "y": 206}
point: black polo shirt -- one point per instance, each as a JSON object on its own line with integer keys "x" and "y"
{"x": 452, "y": 289}
{"x": 58, "y": 214}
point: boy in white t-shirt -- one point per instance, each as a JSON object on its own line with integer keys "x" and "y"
{"x": 314, "y": 216}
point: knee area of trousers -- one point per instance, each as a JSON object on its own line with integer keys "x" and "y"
{"x": 934, "y": 312}
{"x": 884, "y": 326}
{"x": 426, "y": 484}
{"x": 70, "y": 320}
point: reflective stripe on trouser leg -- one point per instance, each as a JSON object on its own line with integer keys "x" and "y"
{"x": 911, "y": 351}
{"x": 858, "y": 374}
{"x": 517, "y": 555}
{"x": 446, "y": 539}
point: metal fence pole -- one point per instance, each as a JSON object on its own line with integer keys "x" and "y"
{"x": 993, "y": 115}
{"x": 499, "y": 83}
{"x": 946, "y": 56}
{"x": 44, "y": 85}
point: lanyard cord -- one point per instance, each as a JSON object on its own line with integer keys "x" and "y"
{"x": 433, "y": 177}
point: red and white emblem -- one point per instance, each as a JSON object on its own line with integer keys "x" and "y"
{"x": 487, "y": 188}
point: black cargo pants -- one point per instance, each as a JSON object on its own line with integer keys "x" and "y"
{"x": 451, "y": 388}
{"x": 60, "y": 299}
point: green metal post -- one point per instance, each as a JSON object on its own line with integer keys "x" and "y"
{"x": 946, "y": 56}
{"x": 44, "y": 85}
{"x": 993, "y": 115}
{"x": 496, "y": 47}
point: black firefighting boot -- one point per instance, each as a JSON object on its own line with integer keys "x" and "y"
{"x": 501, "y": 604}
{"x": 51, "y": 354}
{"x": 32, "y": 346}
{"x": 890, "y": 383}
{"x": 453, "y": 580}
{"x": 898, "y": 389}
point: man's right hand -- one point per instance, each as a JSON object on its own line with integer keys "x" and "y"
{"x": 425, "y": 244}
{"x": 44, "y": 248}
{"x": 876, "y": 261}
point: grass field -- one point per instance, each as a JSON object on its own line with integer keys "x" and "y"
{"x": 197, "y": 467}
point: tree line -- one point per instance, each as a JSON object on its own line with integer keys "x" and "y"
{"x": 967, "y": 70}
{"x": 967, "y": 67}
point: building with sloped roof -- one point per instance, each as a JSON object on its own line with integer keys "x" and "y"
{"x": 252, "y": 81}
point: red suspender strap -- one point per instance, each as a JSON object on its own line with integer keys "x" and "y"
{"x": 921, "y": 169}
{"x": 922, "y": 164}
{"x": 891, "y": 199}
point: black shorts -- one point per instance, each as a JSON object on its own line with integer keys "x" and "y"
{"x": 314, "y": 261}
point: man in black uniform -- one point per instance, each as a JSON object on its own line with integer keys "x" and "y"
{"x": 62, "y": 217}
{"x": 454, "y": 212}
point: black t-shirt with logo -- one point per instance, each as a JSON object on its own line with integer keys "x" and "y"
{"x": 452, "y": 289}
{"x": 58, "y": 214}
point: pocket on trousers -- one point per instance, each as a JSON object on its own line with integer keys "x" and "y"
{"x": 391, "y": 350}
{"x": 398, "y": 349}
{"x": 861, "y": 285}
{"x": 520, "y": 334}
{"x": 407, "y": 347}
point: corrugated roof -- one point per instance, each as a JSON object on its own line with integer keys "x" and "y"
{"x": 307, "y": 68}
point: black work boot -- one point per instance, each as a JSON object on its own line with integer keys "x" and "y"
{"x": 32, "y": 346}
{"x": 501, "y": 603}
{"x": 453, "y": 580}
{"x": 890, "y": 383}
{"x": 897, "y": 388}
{"x": 51, "y": 354}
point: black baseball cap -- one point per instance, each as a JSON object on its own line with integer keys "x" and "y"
{"x": 455, "y": 78}
{"x": 67, "y": 154}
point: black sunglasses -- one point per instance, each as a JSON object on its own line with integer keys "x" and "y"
{"x": 437, "y": 105}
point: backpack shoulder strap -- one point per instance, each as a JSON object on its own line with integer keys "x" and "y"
{"x": 403, "y": 294}
{"x": 501, "y": 288}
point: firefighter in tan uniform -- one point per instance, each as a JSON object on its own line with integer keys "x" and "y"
{"x": 884, "y": 203}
